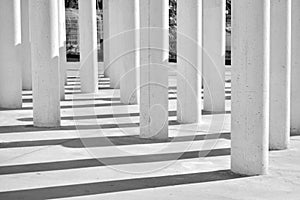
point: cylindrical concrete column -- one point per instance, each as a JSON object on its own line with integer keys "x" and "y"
{"x": 250, "y": 86}
{"x": 280, "y": 73}
{"x": 45, "y": 62}
{"x": 62, "y": 47}
{"x": 10, "y": 65}
{"x": 88, "y": 46}
{"x": 130, "y": 57}
{"x": 189, "y": 59}
{"x": 26, "y": 47}
{"x": 154, "y": 33}
{"x": 214, "y": 55}
{"x": 295, "y": 92}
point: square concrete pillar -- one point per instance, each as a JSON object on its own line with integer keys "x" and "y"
{"x": 130, "y": 57}
{"x": 214, "y": 20}
{"x": 26, "y": 47}
{"x": 115, "y": 41}
{"x": 250, "y": 86}
{"x": 280, "y": 74}
{"x": 189, "y": 59}
{"x": 88, "y": 46}
{"x": 106, "y": 37}
{"x": 295, "y": 92}
{"x": 154, "y": 33}
{"x": 122, "y": 41}
{"x": 45, "y": 62}
{"x": 62, "y": 47}
{"x": 10, "y": 65}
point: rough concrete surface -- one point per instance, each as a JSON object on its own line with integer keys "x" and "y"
{"x": 97, "y": 154}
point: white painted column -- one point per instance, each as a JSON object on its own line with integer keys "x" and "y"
{"x": 214, "y": 55}
{"x": 189, "y": 59}
{"x": 280, "y": 73}
{"x": 295, "y": 93}
{"x": 115, "y": 39}
{"x": 250, "y": 86}
{"x": 45, "y": 62}
{"x": 130, "y": 57}
{"x": 154, "y": 73}
{"x": 10, "y": 65}
{"x": 26, "y": 47}
{"x": 88, "y": 46}
{"x": 106, "y": 37}
{"x": 62, "y": 47}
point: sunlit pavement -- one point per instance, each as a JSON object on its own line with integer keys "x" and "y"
{"x": 97, "y": 154}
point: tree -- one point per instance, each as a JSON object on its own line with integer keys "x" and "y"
{"x": 74, "y": 4}
{"x": 228, "y": 7}
{"x": 71, "y": 4}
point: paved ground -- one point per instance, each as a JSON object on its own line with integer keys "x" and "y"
{"x": 82, "y": 161}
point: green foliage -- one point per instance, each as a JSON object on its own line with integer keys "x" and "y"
{"x": 71, "y": 4}
{"x": 228, "y": 6}
{"x": 172, "y": 21}
{"x": 173, "y": 30}
{"x": 74, "y": 4}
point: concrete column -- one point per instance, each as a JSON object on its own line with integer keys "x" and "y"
{"x": 250, "y": 86}
{"x": 189, "y": 59}
{"x": 295, "y": 93}
{"x": 214, "y": 55}
{"x": 106, "y": 37}
{"x": 280, "y": 73}
{"x": 10, "y": 65}
{"x": 45, "y": 62}
{"x": 130, "y": 58}
{"x": 62, "y": 47}
{"x": 26, "y": 47}
{"x": 115, "y": 39}
{"x": 100, "y": 67}
{"x": 88, "y": 46}
{"x": 154, "y": 16}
